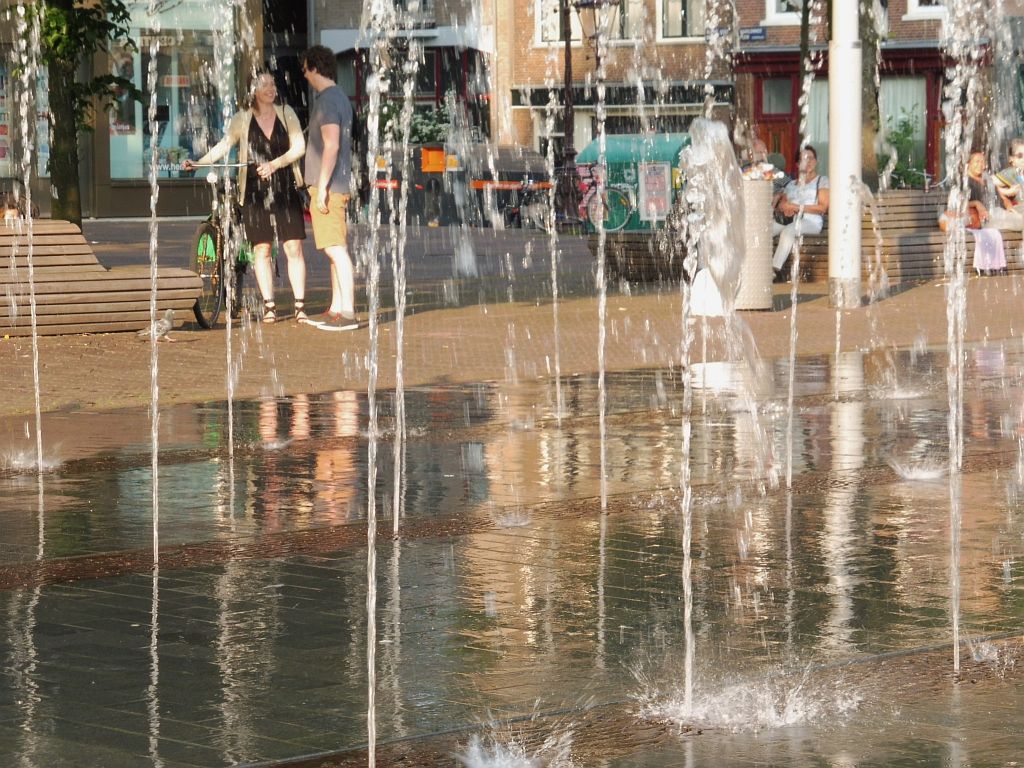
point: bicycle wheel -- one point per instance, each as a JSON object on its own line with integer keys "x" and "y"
{"x": 534, "y": 210}
{"x": 205, "y": 261}
{"x": 595, "y": 210}
{"x": 617, "y": 210}
{"x": 238, "y": 294}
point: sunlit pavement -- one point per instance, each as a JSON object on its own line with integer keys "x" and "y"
{"x": 822, "y": 616}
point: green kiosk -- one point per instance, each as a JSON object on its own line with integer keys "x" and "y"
{"x": 643, "y": 177}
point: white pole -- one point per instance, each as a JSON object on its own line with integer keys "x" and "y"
{"x": 844, "y": 137}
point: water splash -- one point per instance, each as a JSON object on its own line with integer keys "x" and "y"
{"x": 496, "y": 752}
{"x": 925, "y": 471}
{"x": 514, "y": 518}
{"x": 380, "y": 18}
{"x": 154, "y": 355}
{"x": 752, "y": 706}
{"x": 963, "y": 98}
{"x": 553, "y": 249}
{"x": 15, "y": 461}
{"x": 27, "y": 41}
{"x": 398, "y": 268}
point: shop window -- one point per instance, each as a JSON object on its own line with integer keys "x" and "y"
{"x": 347, "y": 77}
{"x": 7, "y": 112}
{"x": 189, "y": 115}
{"x": 10, "y": 166}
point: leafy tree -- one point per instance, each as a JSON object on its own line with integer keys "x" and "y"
{"x": 71, "y": 32}
{"x": 907, "y": 172}
{"x": 426, "y": 127}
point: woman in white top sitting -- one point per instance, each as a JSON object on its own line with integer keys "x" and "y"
{"x": 808, "y": 190}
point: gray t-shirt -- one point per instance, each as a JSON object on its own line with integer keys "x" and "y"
{"x": 331, "y": 106}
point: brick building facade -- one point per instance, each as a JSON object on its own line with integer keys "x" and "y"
{"x": 656, "y": 70}
{"x": 912, "y": 68}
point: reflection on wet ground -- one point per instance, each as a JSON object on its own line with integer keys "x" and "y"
{"x": 508, "y": 595}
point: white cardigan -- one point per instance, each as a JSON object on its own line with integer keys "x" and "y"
{"x": 238, "y": 133}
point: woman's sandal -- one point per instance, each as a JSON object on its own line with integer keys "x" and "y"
{"x": 269, "y": 315}
{"x": 300, "y": 311}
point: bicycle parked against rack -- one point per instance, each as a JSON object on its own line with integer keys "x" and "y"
{"x": 613, "y": 208}
{"x": 206, "y": 259}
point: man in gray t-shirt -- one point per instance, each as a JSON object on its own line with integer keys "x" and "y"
{"x": 331, "y": 107}
{"x": 329, "y": 175}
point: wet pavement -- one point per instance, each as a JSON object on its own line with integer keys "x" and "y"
{"x": 515, "y": 618}
{"x": 509, "y": 595}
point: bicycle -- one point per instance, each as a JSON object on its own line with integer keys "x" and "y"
{"x": 206, "y": 260}
{"x": 523, "y": 204}
{"x": 614, "y": 209}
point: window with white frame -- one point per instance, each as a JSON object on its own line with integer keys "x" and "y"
{"x": 683, "y": 18}
{"x": 782, "y": 11}
{"x": 632, "y": 21}
{"x": 549, "y": 14}
{"x": 924, "y": 9}
{"x": 629, "y": 23}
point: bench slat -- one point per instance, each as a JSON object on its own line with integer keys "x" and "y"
{"x": 74, "y": 293}
{"x": 89, "y": 324}
{"x": 115, "y": 300}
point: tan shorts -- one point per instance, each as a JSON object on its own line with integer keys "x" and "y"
{"x": 329, "y": 228}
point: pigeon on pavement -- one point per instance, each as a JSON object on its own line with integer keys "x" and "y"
{"x": 160, "y": 328}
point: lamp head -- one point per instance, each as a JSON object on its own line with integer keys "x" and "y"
{"x": 597, "y": 17}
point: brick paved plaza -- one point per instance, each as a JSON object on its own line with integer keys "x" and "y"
{"x": 514, "y": 616}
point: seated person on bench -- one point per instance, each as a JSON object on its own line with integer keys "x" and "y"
{"x": 1009, "y": 184}
{"x": 808, "y": 190}
{"x": 989, "y": 254}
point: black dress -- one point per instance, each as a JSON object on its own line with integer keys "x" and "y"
{"x": 273, "y": 201}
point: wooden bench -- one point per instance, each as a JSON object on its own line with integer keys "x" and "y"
{"x": 74, "y": 292}
{"x": 912, "y": 245}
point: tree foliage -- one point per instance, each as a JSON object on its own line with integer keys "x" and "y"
{"x": 426, "y": 126}
{"x": 71, "y": 33}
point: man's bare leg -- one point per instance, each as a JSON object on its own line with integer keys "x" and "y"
{"x": 342, "y": 281}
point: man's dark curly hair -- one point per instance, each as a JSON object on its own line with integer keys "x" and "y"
{"x": 321, "y": 59}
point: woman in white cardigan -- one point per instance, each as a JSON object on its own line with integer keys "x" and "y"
{"x": 270, "y": 143}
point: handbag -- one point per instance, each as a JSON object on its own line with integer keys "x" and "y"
{"x": 784, "y": 219}
{"x": 971, "y": 221}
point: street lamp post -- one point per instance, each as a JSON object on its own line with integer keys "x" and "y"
{"x": 597, "y": 17}
{"x": 593, "y": 24}
{"x": 568, "y": 183}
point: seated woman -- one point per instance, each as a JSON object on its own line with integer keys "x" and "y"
{"x": 808, "y": 191}
{"x": 1008, "y": 183}
{"x": 989, "y": 254}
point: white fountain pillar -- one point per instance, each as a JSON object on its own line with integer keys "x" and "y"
{"x": 844, "y": 137}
